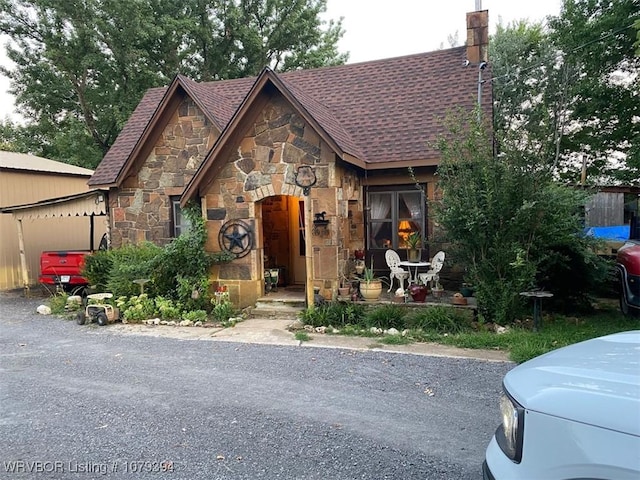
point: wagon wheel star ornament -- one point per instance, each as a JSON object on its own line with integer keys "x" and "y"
{"x": 236, "y": 237}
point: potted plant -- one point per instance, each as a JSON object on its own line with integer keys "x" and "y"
{"x": 418, "y": 292}
{"x": 370, "y": 286}
{"x": 345, "y": 287}
{"x": 438, "y": 290}
{"x": 414, "y": 242}
{"x": 466, "y": 290}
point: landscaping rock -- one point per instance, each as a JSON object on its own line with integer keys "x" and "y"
{"x": 43, "y": 310}
{"x": 296, "y": 325}
{"x": 392, "y": 331}
{"x": 186, "y": 323}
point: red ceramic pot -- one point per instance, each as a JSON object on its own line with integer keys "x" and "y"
{"x": 418, "y": 292}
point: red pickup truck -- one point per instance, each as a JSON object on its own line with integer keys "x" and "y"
{"x": 64, "y": 269}
{"x": 628, "y": 271}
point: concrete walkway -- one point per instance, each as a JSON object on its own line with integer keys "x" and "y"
{"x": 274, "y": 332}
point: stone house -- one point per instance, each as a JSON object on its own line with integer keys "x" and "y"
{"x": 293, "y": 170}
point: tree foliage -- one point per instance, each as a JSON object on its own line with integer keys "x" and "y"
{"x": 508, "y": 223}
{"x": 570, "y": 89}
{"x": 81, "y": 66}
{"x": 530, "y": 93}
{"x": 597, "y": 39}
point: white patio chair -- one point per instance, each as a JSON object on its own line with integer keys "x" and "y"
{"x": 431, "y": 275}
{"x": 393, "y": 262}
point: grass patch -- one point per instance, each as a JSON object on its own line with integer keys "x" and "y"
{"x": 454, "y": 327}
{"x": 395, "y": 340}
{"x": 302, "y": 336}
{"x": 524, "y": 344}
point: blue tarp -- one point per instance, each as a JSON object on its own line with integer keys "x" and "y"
{"x": 618, "y": 232}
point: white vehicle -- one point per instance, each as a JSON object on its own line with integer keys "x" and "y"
{"x": 573, "y": 413}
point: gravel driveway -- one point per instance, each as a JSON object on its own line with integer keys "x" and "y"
{"x": 86, "y": 402}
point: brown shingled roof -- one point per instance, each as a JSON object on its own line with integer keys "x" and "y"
{"x": 382, "y": 112}
{"x": 111, "y": 165}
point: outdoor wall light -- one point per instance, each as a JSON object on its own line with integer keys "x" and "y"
{"x": 305, "y": 178}
{"x": 320, "y": 224}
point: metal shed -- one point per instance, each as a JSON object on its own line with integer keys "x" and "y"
{"x": 82, "y": 205}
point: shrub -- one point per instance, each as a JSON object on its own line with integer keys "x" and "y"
{"x": 129, "y": 263}
{"x": 167, "y": 308}
{"x": 505, "y": 218}
{"x": 386, "y": 316}
{"x": 136, "y": 308}
{"x": 439, "y": 319}
{"x": 97, "y": 268}
{"x": 181, "y": 271}
{"x": 58, "y": 303}
{"x": 223, "y": 310}
{"x": 195, "y": 316}
{"x": 336, "y": 314}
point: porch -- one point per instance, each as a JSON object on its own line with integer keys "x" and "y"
{"x": 286, "y": 302}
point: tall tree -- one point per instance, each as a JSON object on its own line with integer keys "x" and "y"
{"x": 570, "y": 89}
{"x": 530, "y": 93}
{"x": 597, "y": 40}
{"x": 81, "y": 66}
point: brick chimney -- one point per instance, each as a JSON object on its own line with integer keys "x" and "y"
{"x": 478, "y": 36}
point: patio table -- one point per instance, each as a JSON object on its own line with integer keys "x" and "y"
{"x": 416, "y": 265}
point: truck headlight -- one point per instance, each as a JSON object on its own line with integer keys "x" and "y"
{"x": 510, "y": 433}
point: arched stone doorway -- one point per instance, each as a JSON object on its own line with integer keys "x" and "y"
{"x": 283, "y": 238}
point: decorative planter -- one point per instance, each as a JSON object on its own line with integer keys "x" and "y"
{"x": 343, "y": 291}
{"x": 466, "y": 291}
{"x": 370, "y": 291}
{"x": 418, "y": 292}
{"x": 438, "y": 292}
{"x": 413, "y": 254}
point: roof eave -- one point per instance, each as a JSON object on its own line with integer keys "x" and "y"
{"x": 428, "y": 162}
{"x": 267, "y": 75}
{"x": 167, "y": 98}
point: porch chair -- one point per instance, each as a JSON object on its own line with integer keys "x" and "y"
{"x": 432, "y": 274}
{"x": 393, "y": 262}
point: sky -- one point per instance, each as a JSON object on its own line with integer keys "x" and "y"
{"x": 376, "y": 29}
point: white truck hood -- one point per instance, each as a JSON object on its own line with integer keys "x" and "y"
{"x": 596, "y": 382}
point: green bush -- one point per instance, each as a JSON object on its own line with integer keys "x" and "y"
{"x": 58, "y": 303}
{"x": 129, "y": 263}
{"x": 137, "y": 308}
{"x": 195, "y": 316}
{"x": 97, "y": 267}
{"x": 386, "y": 316}
{"x": 508, "y": 223}
{"x": 179, "y": 271}
{"x": 167, "y": 308}
{"x": 439, "y": 319}
{"x": 223, "y": 310}
{"x": 336, "y": 314}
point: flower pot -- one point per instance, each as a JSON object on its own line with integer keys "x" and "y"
{"x": 343, "y": 291}
{"x": 418, "y": 292}
{"x": 466, "y": 291}
{"x": 370, "y": 291}
{"x": 438, "y": 292}
{"x": 413, "y": 254}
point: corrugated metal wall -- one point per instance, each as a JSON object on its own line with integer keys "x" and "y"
{"x": 39, "y": 234}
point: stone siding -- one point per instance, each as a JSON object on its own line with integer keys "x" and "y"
{"x": 262, "y": 165}
{"x": 141, "y": 209}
